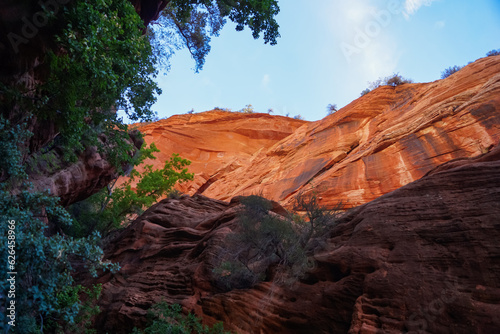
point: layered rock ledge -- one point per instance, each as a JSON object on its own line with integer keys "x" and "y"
{"x": 422, "y": 259}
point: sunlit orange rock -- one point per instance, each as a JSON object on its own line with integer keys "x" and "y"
{"x": 376, "y": 144}
{"x": 216, "y": 142}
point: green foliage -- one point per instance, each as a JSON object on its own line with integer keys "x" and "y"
{"x": 450, "y": 70}
{"x": 100, "y": 62}
{"x": 191, "y": 23}
{"x": 266, "y": 246}
{"x": 319, "y": 219}
{"x": 164, "y": 318}
{"x": 45, "y": 290}
{"x": 248, "y": 109}
{"x": 106, "y": 63}
{"x": 11, "y": 150}
{"x": 46, "y": 297}
{"x": 493, "y": 53}
{"x": 88, "y": 309}
{"x": 110, "y": 208}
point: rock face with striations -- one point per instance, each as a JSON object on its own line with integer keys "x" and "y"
{"x": 424, "y": 258}
{"x": 376, "y": 144}
{"x": 216, "y": 142}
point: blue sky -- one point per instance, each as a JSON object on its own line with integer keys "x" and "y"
{"x": 328, "y": 52}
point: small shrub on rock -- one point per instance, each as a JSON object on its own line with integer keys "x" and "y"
{"x": 493, "y": 53}
{"x": 396, "y": 80}
{"x": 248, "y": 109}
{"x": 331, "y": 108}
{"x": 266, "y": 246}
{"x": 392, "y": 80}
{"x": 366, "y": 91}
{"x": 450, "y": 70}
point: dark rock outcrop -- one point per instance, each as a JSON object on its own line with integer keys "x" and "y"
{"x": 422, "y": 259}
{"x": 149, "y": 10}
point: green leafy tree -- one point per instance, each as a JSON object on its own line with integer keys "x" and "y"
{"x": 165, "y": 318}
{"x": 103, "y": 63}
{"x": 95, "y": 60}
{"x": 111, "y": 207}
{"x": 45, "y": 296}
{"x": 191, "y": 23}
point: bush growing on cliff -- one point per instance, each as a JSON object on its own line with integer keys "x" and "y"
{"x": 392, "y": 80}
{"x": 493, "y": 53}
{"x": 396, "y": 80}
{"x": 450, "y": 70}
{"x": 268, "y": 247}
{"x": 248, "y": 109}
{"x": 365, "y": 91}
{"x": 111, "y": 207}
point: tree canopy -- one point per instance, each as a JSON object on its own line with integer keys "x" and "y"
{"x": 191, "y": 23}
{"x": 93, "y": 60}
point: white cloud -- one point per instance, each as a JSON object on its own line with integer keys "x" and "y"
{"x": 412, "y": 6}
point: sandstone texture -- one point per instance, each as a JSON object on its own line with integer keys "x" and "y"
{"x": 376, "y": 144}
{"x": 422, "y": 259}
{"x": 75, "y": 181}
{"x": 216, "y": 142}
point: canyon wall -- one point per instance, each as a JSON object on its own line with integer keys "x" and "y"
{"x": 376, "y": 144}
{"x": 424, "y": 258}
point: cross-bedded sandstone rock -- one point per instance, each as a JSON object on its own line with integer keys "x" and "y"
{"x": 376, "y": 144}
{"x": 422, "y": 259}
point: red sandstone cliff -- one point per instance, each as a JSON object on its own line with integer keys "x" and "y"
{"x": 422, "y": 259}
{"x": 376, "y": 144}
{"x": 216, "y": 142}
